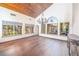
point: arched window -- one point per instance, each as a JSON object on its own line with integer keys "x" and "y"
{"x": 52, "y": 25}
{"x": 52, "y": 19}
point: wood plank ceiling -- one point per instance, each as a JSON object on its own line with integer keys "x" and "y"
{"x": 30, "y": 9}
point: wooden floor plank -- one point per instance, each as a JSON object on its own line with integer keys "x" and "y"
{"x": 34, "y": 46}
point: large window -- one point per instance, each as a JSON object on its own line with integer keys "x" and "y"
{"x": 11, "y": 28}
{"x": 64, "y": 28}
{"x": 29, "y": 28}
{"x": 52, "y": 28}
{"x": 17, "y": 29}
{"x": 7, "y": 30}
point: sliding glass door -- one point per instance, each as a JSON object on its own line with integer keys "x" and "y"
{"x": 64, "y": 28}
{"x": 11, "y": 28}
{"x": 29, "y": 28}
{"x": 7, "y": 30}
{"x": 52, "y": 28}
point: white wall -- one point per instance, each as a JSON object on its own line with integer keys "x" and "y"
{"x": 5, "y": 16}
{"x": 63, "y": 12}
{"x": 76, "y": 18}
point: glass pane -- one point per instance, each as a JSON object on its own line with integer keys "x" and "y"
{"x": 64, "y": 28}
{"x": 7, "y": 30}
{"x": 52, "y": 28}
{"x": 17, "y": 30}
{"x": 29, "y": 29}
{"x": 10, "y": 29}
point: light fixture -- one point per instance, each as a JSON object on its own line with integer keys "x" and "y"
{"x": 42, "y": 20}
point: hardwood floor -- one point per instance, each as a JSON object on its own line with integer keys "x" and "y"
{"x": 34, "y": 46}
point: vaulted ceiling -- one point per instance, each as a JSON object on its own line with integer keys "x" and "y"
{"x": 30, "y": 9}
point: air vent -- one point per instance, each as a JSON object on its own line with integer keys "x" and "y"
{"x": 12, "y": 14}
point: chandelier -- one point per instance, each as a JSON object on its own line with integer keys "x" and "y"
{"x": 42, "y": 20}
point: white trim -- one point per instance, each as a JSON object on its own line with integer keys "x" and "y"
{"x": 15, "y": 37}
{"x": 59, "y": 37}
